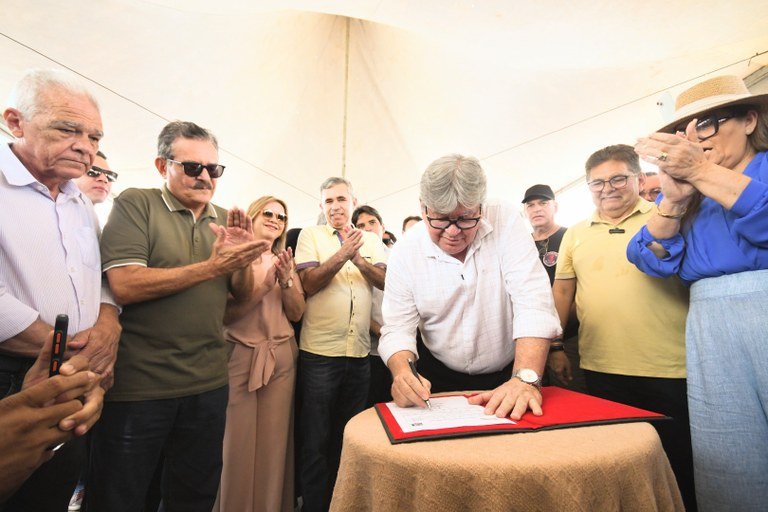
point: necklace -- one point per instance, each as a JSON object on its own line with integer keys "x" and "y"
{"x": 542, "y": 246}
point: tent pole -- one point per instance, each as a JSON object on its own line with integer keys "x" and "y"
{"x": 346, "y": 104}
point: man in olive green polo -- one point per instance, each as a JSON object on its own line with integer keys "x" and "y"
{"x": 171, "y": 258}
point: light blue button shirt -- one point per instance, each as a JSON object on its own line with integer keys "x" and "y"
{"x": 49, "y": 252}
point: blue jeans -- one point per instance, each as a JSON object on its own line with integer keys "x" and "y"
{"x": 727, "y": 351}
{"x": 132, "y": 437}
{"x": 334, "y": 390}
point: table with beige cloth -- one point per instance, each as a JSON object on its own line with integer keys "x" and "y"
{"x": 598, "y": 468}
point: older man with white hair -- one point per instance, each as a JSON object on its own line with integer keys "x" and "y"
{"x": 49, "y": 259}
{"x": 469, "y": 279}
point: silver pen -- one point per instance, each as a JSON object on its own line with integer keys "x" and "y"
{"x": 416, "y": 374}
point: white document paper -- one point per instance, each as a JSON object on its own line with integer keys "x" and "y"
{"x": 446, "y": 412}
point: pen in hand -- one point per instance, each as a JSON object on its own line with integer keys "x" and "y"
{"x": 416, "y": 374}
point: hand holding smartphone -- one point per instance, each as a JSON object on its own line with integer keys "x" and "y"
{"x": 59, "y": 345}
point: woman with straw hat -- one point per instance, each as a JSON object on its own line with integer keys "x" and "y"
{"x": 711, "y": 229}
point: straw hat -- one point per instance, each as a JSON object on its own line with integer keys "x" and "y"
{"x": 717, "y": 92}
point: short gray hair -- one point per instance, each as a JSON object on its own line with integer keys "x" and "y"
{"x": 335, "y": 180}
{"x": 181, "y": 129}
{"x": 26, "y": 94}
{"x": 451, "y": 181}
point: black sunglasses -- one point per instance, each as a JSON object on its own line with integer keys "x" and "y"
{"x": 95, "y": 172}
{"x": 270, "y": 214}
{"x": 195, "y": 169}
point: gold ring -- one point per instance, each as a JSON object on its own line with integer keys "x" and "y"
{"x": 663, "y": 156}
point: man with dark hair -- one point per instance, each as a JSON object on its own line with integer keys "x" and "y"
{"x": 410, "y": 221}
{"x": 49, "y": 261}
{"x": 368, "y": 219}
{"x": 171, "y": 257}
{"x": 97, "y": 181}
{"x": 389, "y": 239}
{"x": 625, "y": 357}
{"x": 338, "y": 265}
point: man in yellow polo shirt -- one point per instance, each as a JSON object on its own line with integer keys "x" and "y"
{"x": 338, "y": 266}
{"x": 626, "y": 357}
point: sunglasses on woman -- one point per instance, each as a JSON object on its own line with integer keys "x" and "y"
{"x": 195, "y": 169}
{"x": 269, "y": 214}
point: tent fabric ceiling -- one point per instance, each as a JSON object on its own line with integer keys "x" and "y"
{"x": 297, "y": 91}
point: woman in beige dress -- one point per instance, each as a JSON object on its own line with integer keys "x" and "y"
{"x": 258, "y": 440}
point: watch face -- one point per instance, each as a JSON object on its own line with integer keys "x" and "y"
{"x": 527, "y": 375}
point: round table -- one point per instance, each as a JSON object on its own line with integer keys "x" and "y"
{"x": 598, "y": 468}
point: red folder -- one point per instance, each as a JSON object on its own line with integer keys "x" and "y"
{"x": 562, "y": 409}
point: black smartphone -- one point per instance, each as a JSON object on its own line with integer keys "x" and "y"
{"x": 59, "y": 344}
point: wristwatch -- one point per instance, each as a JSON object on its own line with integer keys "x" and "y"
{"x": 287, "y": 284}
{"x": 528, "y": 376}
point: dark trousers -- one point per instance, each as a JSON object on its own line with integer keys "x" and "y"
{"x": 666, "y": 396}
{"x": 51, "y": 486}
{"x": 446, "y": 379}
{"x": 132, "y": 437}
{"x": 334, "y": 390}
{"x": 380, "y": 389}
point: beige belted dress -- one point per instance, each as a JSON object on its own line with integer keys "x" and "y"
{"x": 257, "y": 474}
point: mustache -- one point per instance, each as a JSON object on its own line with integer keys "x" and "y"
{"x": 202, "y": 185}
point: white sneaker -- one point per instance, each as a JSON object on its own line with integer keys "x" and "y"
{"x": 77, "y": 498}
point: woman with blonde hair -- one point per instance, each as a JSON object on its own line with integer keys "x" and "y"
{"x": 258, "y": 442}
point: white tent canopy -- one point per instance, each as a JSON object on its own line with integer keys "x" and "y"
{"x": 374, "y": 90}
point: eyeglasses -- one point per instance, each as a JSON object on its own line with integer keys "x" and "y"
{"x": 616, "y": 182}
{"x": 195, "y": 169}
{"x": 707, "y": 127}
{"x": 462, "y": 222}
{"x": 95, "y": 172}
{"x": 269, "y": 214}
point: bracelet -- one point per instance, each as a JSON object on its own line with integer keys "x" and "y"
{"x": 671, "y": 216}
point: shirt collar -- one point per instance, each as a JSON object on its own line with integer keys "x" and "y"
{"x": 332, "y": 231}
{"x": 642, "y": 206}
{"x": 17, "y": 174}
{"x": 174, "y": 205}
